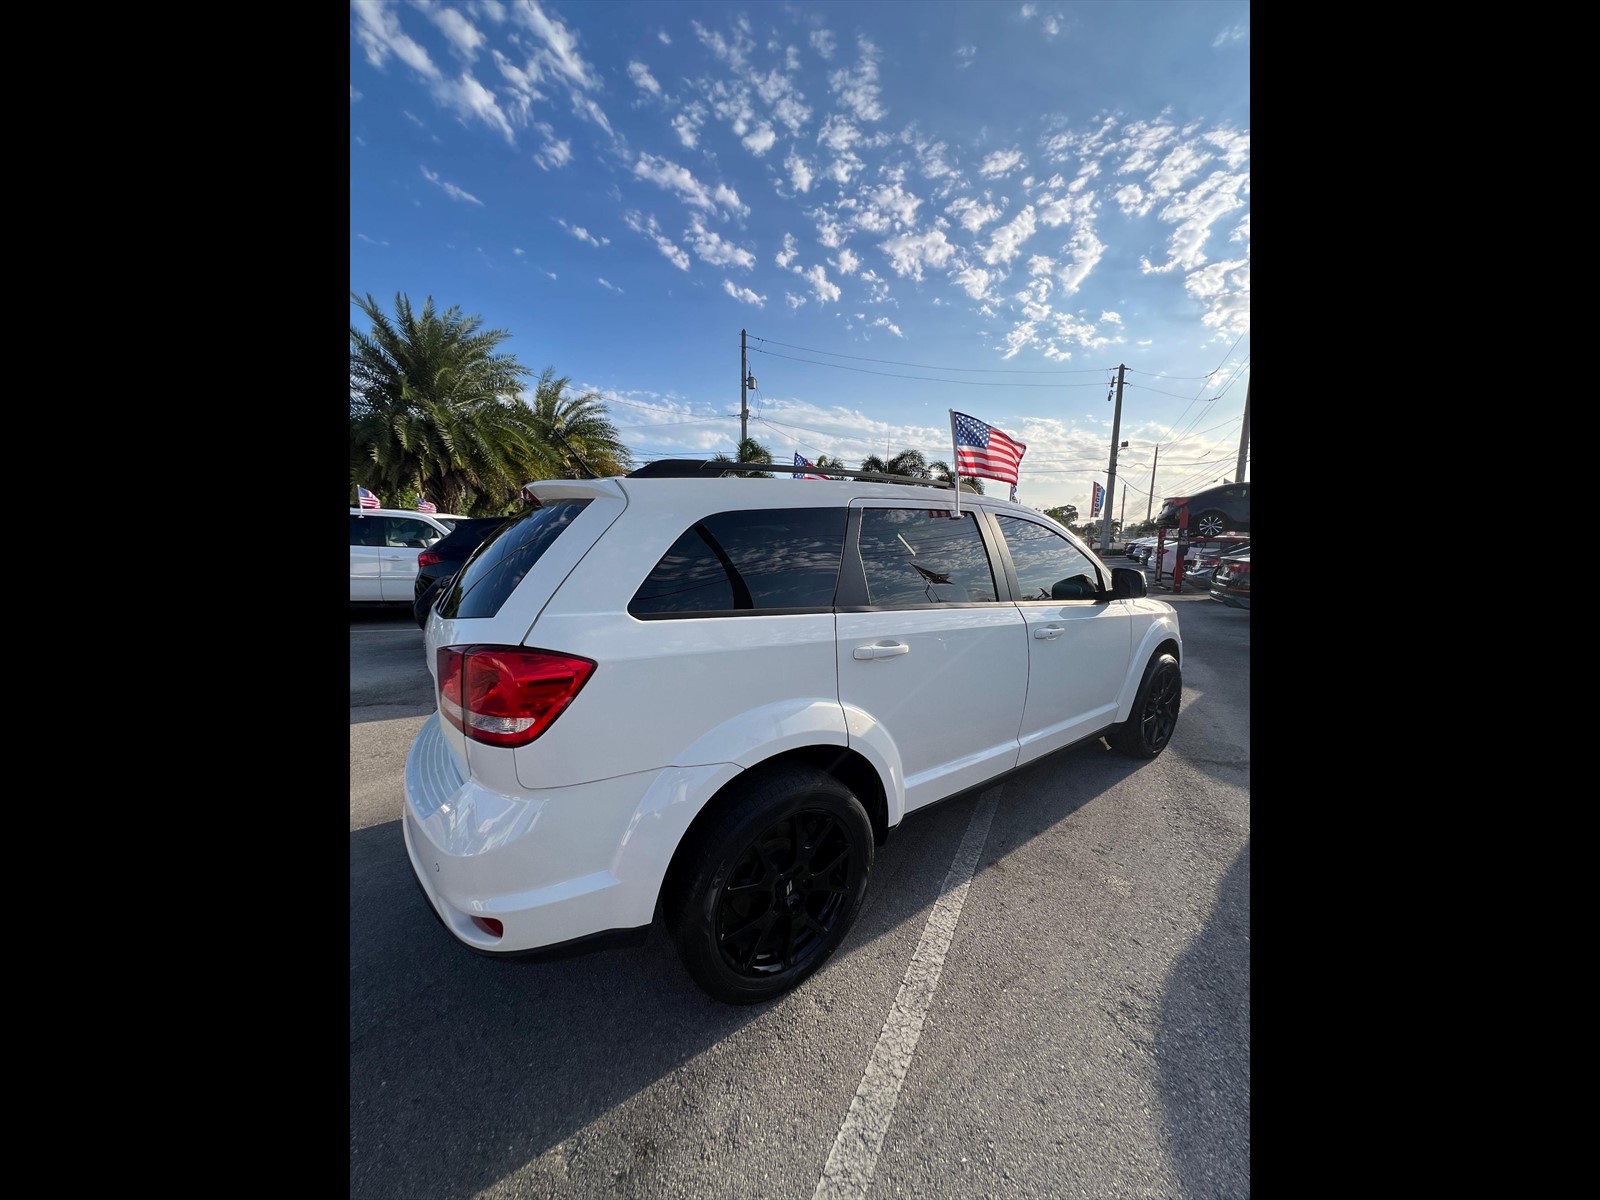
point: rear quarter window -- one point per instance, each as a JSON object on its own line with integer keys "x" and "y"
{"x": 505, "y": 559}
{"x": 758, "y": 560}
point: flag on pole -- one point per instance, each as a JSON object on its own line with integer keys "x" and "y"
{"x": 424, "y": 505}
{"x": 801, "y": 461}
{"x": 1098, "y": 496}
{"x": 984, "y": 451}
{"x": 368, "y": 499}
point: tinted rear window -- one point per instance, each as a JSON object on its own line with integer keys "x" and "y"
{"x": 506, "y": 558}
{"x": 751, "y": 561}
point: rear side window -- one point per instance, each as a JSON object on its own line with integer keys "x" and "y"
{"x": 760, "y": 560}
{"x": 367, "y": 531}
{"x": 917, "y": 556}
{"x": 505, "y": 558}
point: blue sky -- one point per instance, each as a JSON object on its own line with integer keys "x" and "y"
{"x": 911, "y": 207}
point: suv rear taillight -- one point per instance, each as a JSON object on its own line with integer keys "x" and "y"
{"x": 427, "y": 558}
{"x": 507, "y": 695}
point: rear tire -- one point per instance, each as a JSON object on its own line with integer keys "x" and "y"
{"x": 1154, "y": 715}
{"x": 773, "y": 884}
{"x": 1210, "y": 525}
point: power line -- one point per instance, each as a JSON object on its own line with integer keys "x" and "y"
{"x": 919, "y": 378}
{"x": 925, "y": 367}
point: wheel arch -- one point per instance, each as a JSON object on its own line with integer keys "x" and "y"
{"x": 844, "y": 764}
{"x": 1157, "y": 640}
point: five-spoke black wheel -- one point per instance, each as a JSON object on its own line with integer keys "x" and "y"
{"x": 773, "y": 884}
{"x": 1154, "y": 715}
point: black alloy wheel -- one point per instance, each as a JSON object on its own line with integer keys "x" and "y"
{"x": 770, "y": 883}
{"x": 785, "y": 895}
{"x": 1154, "y": 716}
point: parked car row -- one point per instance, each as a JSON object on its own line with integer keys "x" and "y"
{"x": 1221, "y": 565}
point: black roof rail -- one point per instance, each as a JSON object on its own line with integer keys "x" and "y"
{"x": 694, "y": 468}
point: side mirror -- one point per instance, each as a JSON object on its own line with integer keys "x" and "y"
{"x": 1128, "y": 584}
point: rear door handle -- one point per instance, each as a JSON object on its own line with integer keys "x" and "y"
{"x": 888, "y": 650}
{"x": 1048, "y": 633}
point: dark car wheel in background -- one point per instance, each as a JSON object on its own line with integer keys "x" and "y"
{"x": 1210, "y": 524}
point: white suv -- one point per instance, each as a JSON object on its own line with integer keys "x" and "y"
{"x": 711, "y": 697}
{"x": 384, "y": 545}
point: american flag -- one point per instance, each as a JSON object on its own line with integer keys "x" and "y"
{"x": 984, "y": 451}
{"x": 426, "y": 506}
{"x": 800, "y": 461}
{"x": 368, "y": 499}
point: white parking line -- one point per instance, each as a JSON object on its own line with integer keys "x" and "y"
{"x": 855, "y": 1151}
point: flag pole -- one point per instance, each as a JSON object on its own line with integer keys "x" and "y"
{"x": 955, "y": 459}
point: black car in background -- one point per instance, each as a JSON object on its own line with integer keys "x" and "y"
{"x": 1214, "y": 511}
{"x": 438, "y": 564}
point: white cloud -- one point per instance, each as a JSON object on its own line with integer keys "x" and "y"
{"x": 792, "y": 300}
{"x": 841, "y": 168}
{"x": 640, "y": 74}
{"x": 551, "y": 274}
{"x": 847, "y": 262}
{"x": 1141, "y": 140}
{"x": 712, "y": 248}
{"x": 1235, "y": 146}
{"x": 451, "y": 189}
{"x": 461, "y": 33}
{"x": 1194, "y": 212}
{"x": 778, "y": 91}
{"x": 1110, "y": 318}
{"x": 896, "y": 203}
{"x": 885, "y": 323}
{"x": 822, "y": 41}
{"x": 554, "y": 152}
{"x": 1052, "y": 26}
{"x": 670, "y": 249}
{"x": 818, "y": 278}
{"x": 1131, "y": 198}
{"x": 799, "y": 172}
{"x": 1005, "y": 243}
{"x": 468, "y": 98}
{"x": 489, "y": 10}
{"x": 559, "y": 54}
{"x": 607, "y": 284}
{"x": 1041, "y": 264}
{"x": 838, "y": 134}
{"x": 1001, "y": 162}
{"x": 743, "y": 295}
{"x": 733, "y": 52}
{"x": 354, "y": 95}
{"x": 972, "y": 215}
{"x": 787, "y": 255}
{"x": 933, "y": 163}
{"x": 966, "y": 54}
{"x": 1231, "y": 35}
{"x": 669, "y": 175}
{"x": 975, "y": 280}
{"x": 1029, "y": 10}
{"x": 857, "y": 87}
{"x": 1083, "y": 251}
{"x": 378, "y": 30}
{"x": 687, "y": 123}
{"x": 909, "y": 253}
{"x": 518, "y": 251}
{"x": 583, "y": 235}
{"x": 666, "y": 38}
{"x": 759, "y": 142}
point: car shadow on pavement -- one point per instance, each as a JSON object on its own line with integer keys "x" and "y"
{"x": 1203, "y": 1045}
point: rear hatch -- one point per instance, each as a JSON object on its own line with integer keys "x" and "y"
{"x": 500, "y": 590}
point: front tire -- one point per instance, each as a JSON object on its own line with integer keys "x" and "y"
{"x": 773, "y": 885}
{"x": 1154, "y": 715}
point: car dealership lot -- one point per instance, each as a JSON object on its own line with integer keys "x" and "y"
{"x": 1088, "y": 1033}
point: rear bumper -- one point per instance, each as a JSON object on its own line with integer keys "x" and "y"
{"x": 1231, "y": 599}
{"x": 553, "y": 866}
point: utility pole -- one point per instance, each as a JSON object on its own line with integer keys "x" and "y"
{"x": 1151, "y": 499}
{"x": 744, "y": 410}
{"x": 1244, "y": 437}
{"x": 1111, "y": 471}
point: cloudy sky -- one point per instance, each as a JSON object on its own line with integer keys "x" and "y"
{"x": 910, "y": 207}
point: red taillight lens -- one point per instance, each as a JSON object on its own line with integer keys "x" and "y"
{"x": 507, "y": 695}
{"x": 490, "y": 926}
{"x": 427, "y": 558}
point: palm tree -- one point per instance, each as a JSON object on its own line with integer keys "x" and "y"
{"x": 825, "y": 461}
{"x": 1066, "y": 514}
{"x": 748, "y": 451}
{"x": 941, "y": 470}
{"x": 434, "y": 407}
{"x": 562, "y": 420}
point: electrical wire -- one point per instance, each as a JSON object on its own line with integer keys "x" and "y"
{"x": 925, "y": 367}
{"x": 919, "y": 378}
